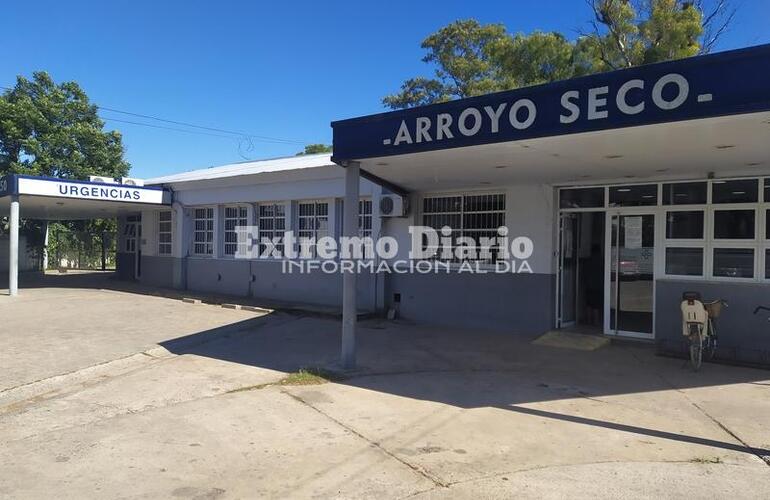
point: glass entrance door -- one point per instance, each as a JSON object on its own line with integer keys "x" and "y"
{"x": 631, "y": 275}
{"x": 568, "y": 270}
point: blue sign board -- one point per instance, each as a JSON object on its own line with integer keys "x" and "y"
{"x": 7, "y": 185}
{"x": 726, "y": 83}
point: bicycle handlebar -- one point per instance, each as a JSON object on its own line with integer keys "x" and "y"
{"x": 761, "y": 308}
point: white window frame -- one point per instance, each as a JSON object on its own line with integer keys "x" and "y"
{"x": 363, "y": 216}
{"x": 315, "y": 217}
{"x": 130, "y": 237}
{"x": 753, "y": 244}
{"x": 760, "y": 244}
{"x": 162, "y": 245}
{"x": 272, "y": 233}
{"x": 208, "y": 244}
{"x": 701, "y": 243}
{"x": 462, "y": 194}
{"x": 241, "y": 220}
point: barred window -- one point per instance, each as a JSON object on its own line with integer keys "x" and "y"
{"x": 365, "y": 218}
{"x": 164, "y": 232}
{"x": 203, "y": 233}
{"x": 313, "y": 222}
{"x": 272, "y": 224}
{"x": 235, "y": 218}
{"x": 476, "y": 216}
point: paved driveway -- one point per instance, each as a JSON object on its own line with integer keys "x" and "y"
{"x": 64, "y": 323}
{"x": 431, "y": 413}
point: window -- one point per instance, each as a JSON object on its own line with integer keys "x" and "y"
{"x": 313, "y": 223}
{"x": 684, "y": 261}
{"x": 734, "y": 262}
{"x": 365, "y": 218}
{"x": 236, "y": 220}
{"x": 736, "y": 191}
{"x": 203, "y": 231}
{"x": 272, "y": 225}
{"x": 634, "y": 196}
{"x": 476, "y": 216}
{"x": 685, "y": 193}
{"x": 767, "y": 264}
{"x": 767, "y": 224}
{"x": 582, "y": 198}
{"x": 684, "y": 225}
{"x": 130, "y": 237}
{"x": 164, "y": 232}
{"x": 734, "y": 224}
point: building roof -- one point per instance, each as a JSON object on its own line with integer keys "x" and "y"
{"x": 247, "y": 168}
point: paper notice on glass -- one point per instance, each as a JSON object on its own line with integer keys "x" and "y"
{"x": 633, "y": 232}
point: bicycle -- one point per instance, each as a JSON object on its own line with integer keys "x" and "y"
{"x": 762, "y": 308}
{"x": 698, "y": 323}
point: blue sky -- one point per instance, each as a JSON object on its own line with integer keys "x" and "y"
{"x": 277, "y": 69}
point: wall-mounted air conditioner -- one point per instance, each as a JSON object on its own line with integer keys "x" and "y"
{"x": 102, "y": 179}
{"x": 130, "y": 181}
{"x": 393, "y": 205}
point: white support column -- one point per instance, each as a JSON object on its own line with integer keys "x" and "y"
{"x": 13, "y": 248}
{"x": 350, "y": 228}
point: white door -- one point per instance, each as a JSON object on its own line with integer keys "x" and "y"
{"x": 630, "y": 279}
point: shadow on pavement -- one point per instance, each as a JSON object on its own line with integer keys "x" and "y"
{"x": 462, "y": 368}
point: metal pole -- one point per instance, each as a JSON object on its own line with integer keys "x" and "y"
{"x": 350, "y": 229}
{"x": 13, "y": 248}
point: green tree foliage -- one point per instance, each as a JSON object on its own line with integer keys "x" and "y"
{"x": 314, "y": 149}
{"x": 472, "y": 59}
{"x": 53, "y": 130}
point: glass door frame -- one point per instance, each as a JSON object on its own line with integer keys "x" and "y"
{"x": 559, "y": 258}
{"x": 654, "y": 211}
{"x": 560, "y": 322}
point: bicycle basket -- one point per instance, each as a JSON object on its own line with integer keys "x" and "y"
{"x": 714, "y": 309}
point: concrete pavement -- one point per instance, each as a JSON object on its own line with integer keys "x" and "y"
{"x": 431, "y": 413}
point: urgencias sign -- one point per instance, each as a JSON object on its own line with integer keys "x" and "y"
{"x": 60, "y": 188}
{"x": 700, "y": 87}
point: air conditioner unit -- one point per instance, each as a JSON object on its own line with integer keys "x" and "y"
{"x": 393, "y": 205}
{"x": 130, "y": 181}
{"x": 102, "y": 179}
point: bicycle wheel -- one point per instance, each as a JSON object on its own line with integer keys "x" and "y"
{"x": 696, "y": 350}
{"x": 711, "y": 342}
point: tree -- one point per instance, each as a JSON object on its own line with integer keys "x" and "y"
{"x": 473, "y": 59}
{"x": 53, "y": 130}
{"x": 314, "y": 149}
{"x": 462, "y": 53}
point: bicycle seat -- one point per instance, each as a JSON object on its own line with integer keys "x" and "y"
{"x": 690, "y": 296}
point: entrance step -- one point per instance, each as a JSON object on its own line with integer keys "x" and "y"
{"x": 572, "y": 340}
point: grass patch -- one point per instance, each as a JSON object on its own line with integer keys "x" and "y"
{"x": 309, "y": 376}
{"x": 706, "y": 460}
{"x": 305, "y": 376}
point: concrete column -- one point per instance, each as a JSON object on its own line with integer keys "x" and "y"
{"x": 180, "y": 236}
{"x": 350, "y": 229}
{"x": 13, "y": 248}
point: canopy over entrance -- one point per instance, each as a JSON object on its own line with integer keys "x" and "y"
{"x": 59, "y": 199}
{"x": 687, "y": 118}
{"x": 698, "y": 117}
